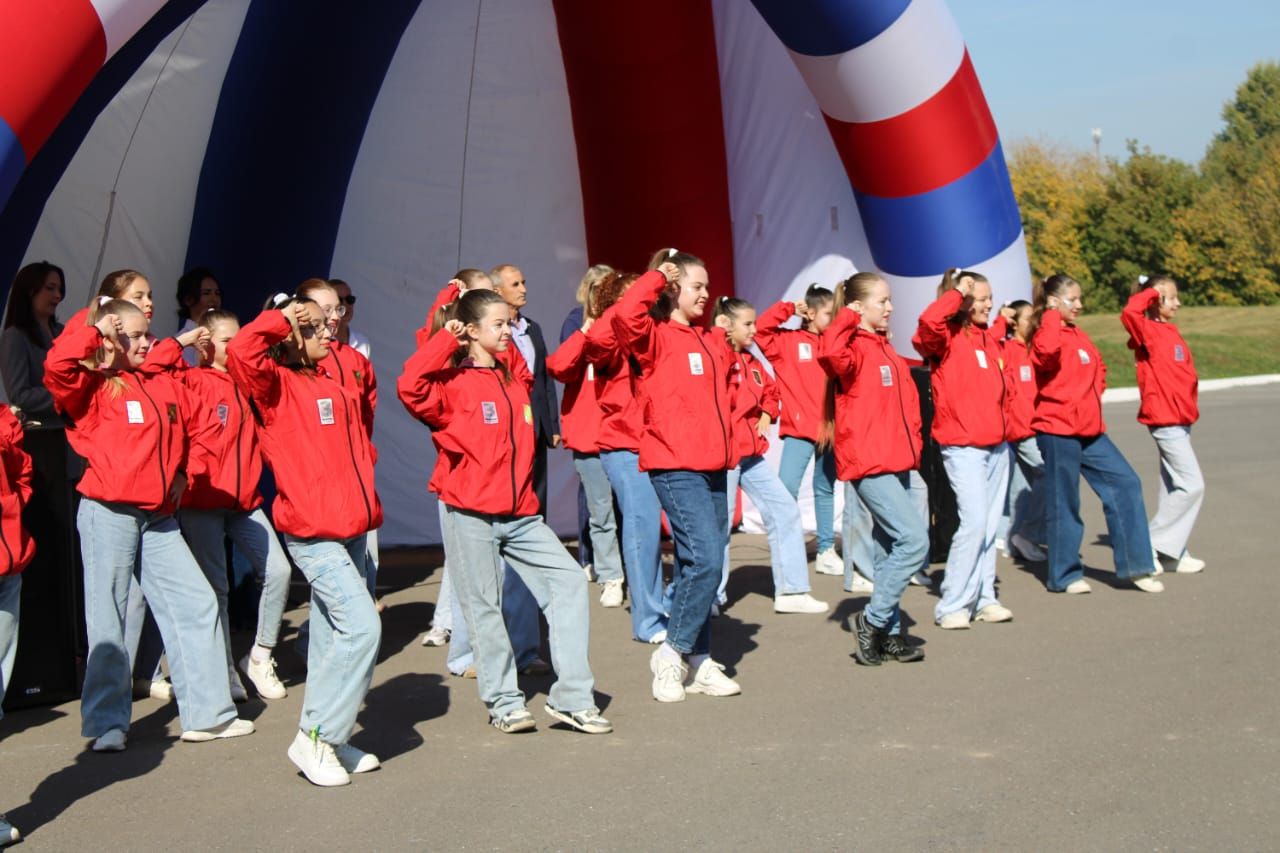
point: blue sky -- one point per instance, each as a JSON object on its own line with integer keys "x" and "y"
{"x": 1158, "y": 71}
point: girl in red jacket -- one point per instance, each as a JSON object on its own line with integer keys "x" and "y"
{"x": 755, "y": 405}
{"x": 686, "y": 448}
{"x": 1070, "y": 377}
{"x": 313, "y": 437}
{"x": 227, "y": 504}
{"x": 969, "y": 423}
{"x": 478, "y": 409}
{"x": 1169, "y": 387}
{"x": 144, "y": 437}
{"x": 1022, "y": 526}
{"x": 19, "y": 547}
{"x": 877, "y": 446}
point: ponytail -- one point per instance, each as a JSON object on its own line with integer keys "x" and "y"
{"x": 1054, "y": 285}
{"x": 666, "y": 300}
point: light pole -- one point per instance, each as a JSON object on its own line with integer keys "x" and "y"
{"x": 1097, "y": 145}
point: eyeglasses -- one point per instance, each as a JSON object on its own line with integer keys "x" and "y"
{"x": 313, "y": 331}
{"x": 350, "y": 299}
{"x": 336, "y": 311}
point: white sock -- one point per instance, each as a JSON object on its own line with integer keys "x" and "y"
{"x": 259, "y": 654}
{"x": 670, "y": 654}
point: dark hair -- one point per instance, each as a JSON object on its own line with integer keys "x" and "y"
{"x": 1143, "y": 282}
{"x": 1054, "y": 285}
{"x": 950, "y": 281}
{"x": 189, "y": 290}
{"x": 608, "y": 291}
{"x": 1018, "y": 304}
{"x": 470, "y": 309}
{"x": 667, "y": 299}
{"x": 279, "y": 352}
{"x": 817, "y": 297}
{"x": 729, "y": 306}
{"x": 214, "y": 316}
{"x": 116, "y": 283}
{"x": 26, "y": 284}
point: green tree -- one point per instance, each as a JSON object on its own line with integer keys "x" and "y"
{"x": 1253, "y": 117}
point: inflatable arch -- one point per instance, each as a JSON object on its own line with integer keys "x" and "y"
{"x": 785, "y": 141}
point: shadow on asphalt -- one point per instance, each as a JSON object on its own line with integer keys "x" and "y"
{"x": 17, "y": 722}
{"x": 394, "y": 709}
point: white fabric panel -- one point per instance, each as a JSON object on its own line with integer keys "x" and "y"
{"x": 121, "y": 19}
{"x": 899, "y": 69}
{"x": 152, "y": 135}
{"x": 520, "y": 200}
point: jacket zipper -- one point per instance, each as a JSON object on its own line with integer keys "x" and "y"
{"x": 902, "y": 408}
{"x": 511, "y": 435}
{"x": 715, "y": 389}
{"x": 164, "y": 487}
{"x": 239, "y": 433}
{"x": 351, "y": 448}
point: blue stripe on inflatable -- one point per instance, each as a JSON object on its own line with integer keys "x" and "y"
{"x": 829, "y": 27}
{"x": 12, "y": 160}
{"x": 22, "y": 212}
{"x": 292, "y": 113}
{"x": 969, "y": 220}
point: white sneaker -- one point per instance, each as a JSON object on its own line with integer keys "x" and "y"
{"x": 800, "y": 602}
{"x": 264, "y": 678}
{"x": 828, "y": 562}
{"x": 1002, "y": 546}
{"x": 1148, "y": 584}
{"x": 1187, "y": 565}
{"x": 234, "y": 728}
{"x": 354, "y": 760}
{"x": 994, "y": 613}
{"x": 436, "y": 637}
{"x": 1021, "y": 546}
{"x": 112, "y": 741}
{"x": 658, "y": 638}
{"x": 317, "y": 761}
{"x": 145, "y": 688}
{"x": 710, "y": 680}
{"x": 861, "y": 584}
{"x": 668, "y": 677}
{"x": 921, "y": 579}
{"x": 611, "y": 595}
{"x": 590, "y": 571}
{"x": 1079, "y": 587}
{"x": 1157, "y": 562}
{"x": 955, "y": 621}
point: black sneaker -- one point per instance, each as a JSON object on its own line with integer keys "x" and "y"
{"x": 896, "y": 647}
{"x": 867, "y": 639}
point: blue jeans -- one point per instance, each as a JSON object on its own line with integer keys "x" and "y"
{"x": 255, "y": 538}
{"x": 781, "y": 516}
{"x": 641, "y": 540}
{"x": 111, "y": 538}
{"x": 142, "y": 636}
{"x": 796, "y": 453}
{"x": 696, "y": 506}
{"x": 1114, "y": 481}
{"x": 979, "y": 477}
{"x": 482, "y": 543}
{"x": 865, "y": 545}
{"x": 519, "y": 612}
{"x": 1024, "y": 505}
{"x": 10, "y": 606}
{"x": 344, "y": 636}
{"x": 904, "y": 538}
{"x": 604, "y": 527}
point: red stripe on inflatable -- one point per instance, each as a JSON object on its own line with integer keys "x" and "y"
{"x": 644, "y": 90}
{"x": 51, "y": 49}
{"x": 927, "y": 147}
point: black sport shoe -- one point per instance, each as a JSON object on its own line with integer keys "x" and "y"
{"x": 867, "y": 639}
{"x": 896, "y": 647}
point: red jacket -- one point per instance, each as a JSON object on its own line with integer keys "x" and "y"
{"x": 618, "y": 390}
{"x": 1070, "y": 378}
{"x": 685, "y": 374}
{"x": 1020, "y": 379}
{"x": 354, "y": 372}
{"x": 754, "y": 394}
{"x": 482, "y": 425}
{"x": 312, "y": 437}
{"x": 136, "y": 430}
{"x": 802, "y": 383}
{"x": 1167, "y": 379}
{"x": 447, "y": 296}
{"x": 877, "y": 406}
{"x": 15, "y": 490}
{"x": 580, "y": 414}
{"x": 969, "y": 394}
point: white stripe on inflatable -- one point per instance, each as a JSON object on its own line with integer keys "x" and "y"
{"x": 521, "y": 202}
{"x": 121, "y": 19}
{"x": 896, "y": 71}
{"x": 158, "y": 166}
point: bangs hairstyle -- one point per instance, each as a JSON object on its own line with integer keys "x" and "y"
{"x": 116, "y": 283}
{"x": 189, "y": 290}
{"x": 950, "y": 281}
{"x": 280, "y": 352}
{"x": 609, "y": 291}
{"x": 590, "y": 281}
{"x": 666, "y": 300}
{"x": 469, "y": 310}
{"x": 26, "y": 284}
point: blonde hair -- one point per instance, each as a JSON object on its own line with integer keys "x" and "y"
{"x": 590, "y": 279}
{"x": 102, "y": 307}
{"x": 855, "y": 288}
{"x": 950, "y": 281}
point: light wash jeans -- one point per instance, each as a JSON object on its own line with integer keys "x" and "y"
{"x": 344, "y": 636}
{"x": 10, "y": 608}
{"x": 781, "y": 516}
{"x": 1024, "y": 504}
{"x": 482, "y": 543}
{"x": 979, "y": 477}
{"x": 1181, "y": 491}
{"x": 1113, "y": 479}
{"x": 796, "y": 454}
{"x": 141, "y": 635}
{"x": 696, "y": 508}
{"x": 904, "y": 538}
{"x": 606, "y": 557}
{"x": 111, "y": 537}
{"x": 255, "y": 538}
{"x": 865, "y": 546}
{"x": 641, "y": 540}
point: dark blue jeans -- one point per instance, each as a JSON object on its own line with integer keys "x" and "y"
{"x": 698, "y": 512}
{"x": 1114, "y": 481}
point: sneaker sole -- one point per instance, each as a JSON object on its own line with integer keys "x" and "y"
{"x": 197, "y": 736}
{"x": 336, "y": 782}
{"x": 705, "y": 690}
{"x": 568, "y": 720}
{"x": 516, "y": 728}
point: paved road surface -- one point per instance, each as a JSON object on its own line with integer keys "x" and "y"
{"x": 1117, "y": 720}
